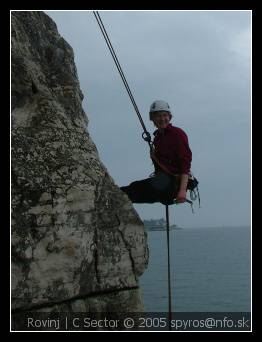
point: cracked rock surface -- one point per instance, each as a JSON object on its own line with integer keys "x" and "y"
{"x": 74, "y": 233}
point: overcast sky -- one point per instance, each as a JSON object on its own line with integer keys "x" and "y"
{"x": 197, "y": 61}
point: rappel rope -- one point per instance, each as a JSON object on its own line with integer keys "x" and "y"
{"x": 147, "y": 137}
{"x": 168, "y": 270}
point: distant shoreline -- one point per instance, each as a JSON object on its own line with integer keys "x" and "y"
{"x": 157, "y": 229}
{"x": 199, "y": 227}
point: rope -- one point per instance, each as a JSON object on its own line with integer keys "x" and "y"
{"x": 168, "y": 266}
{"x": 146, "y": 135}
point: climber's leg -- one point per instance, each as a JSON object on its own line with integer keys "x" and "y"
{"x": 160, "y": 188}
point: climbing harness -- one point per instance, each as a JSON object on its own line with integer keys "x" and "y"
{"x": 147, "y": 137}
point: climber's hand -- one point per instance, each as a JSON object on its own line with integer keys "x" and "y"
{"x": 152, "y": 154}
{"x": 181, "y": 196}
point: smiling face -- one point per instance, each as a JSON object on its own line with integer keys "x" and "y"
{"x": 161, "y": 119}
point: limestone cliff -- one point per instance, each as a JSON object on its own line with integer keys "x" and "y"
{"x": 75, "y": 236}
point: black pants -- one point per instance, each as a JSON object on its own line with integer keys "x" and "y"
{"x": 161, "y": 188}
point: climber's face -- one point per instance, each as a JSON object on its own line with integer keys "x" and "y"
{"x": 161, "y": 119}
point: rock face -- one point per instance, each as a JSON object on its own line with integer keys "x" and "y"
{"x": 75, "y": 235}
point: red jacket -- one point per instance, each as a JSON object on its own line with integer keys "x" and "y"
{"x": 172, "y": 150}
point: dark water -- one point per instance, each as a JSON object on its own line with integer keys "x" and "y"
{"x": 210, "y": 270}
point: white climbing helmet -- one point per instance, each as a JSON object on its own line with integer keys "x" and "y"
{"x": 157, "y": 106}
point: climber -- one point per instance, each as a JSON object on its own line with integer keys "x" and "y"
{"x": 171, "y": 157}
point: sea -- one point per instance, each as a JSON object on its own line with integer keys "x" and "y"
{"x": 210, "y": 270}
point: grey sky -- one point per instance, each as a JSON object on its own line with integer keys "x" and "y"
{"x": 199, "y": 62}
